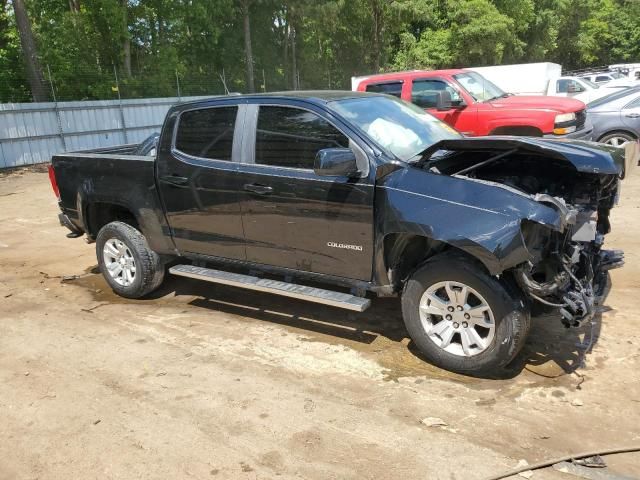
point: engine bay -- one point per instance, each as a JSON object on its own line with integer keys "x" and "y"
{"x": 567, "y": 268}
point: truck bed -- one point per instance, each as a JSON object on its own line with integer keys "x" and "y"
{"x": 111, "y": 176}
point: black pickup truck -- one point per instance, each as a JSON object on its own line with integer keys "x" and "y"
{"x": 363, "y": 194}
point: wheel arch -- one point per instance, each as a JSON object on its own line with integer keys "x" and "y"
{"x": 618, "y": 130}
{"x": 96, "y": 209}
{"x": 404, "y": 253}
{"x": 97, "y": 214}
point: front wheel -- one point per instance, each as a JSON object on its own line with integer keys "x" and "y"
{"x": 127, "y": 263}
{"x": 461, "y": 318}
{"x": 617, "y": 139}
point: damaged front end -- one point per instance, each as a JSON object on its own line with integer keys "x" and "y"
{"x": 580, "y": 182}
{"x": 568, "y": 269}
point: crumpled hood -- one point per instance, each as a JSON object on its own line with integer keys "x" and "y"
{"x": 539, "y": 102}
{"x": 460, "y": 194}
{"x": 587, "y": 157}
{"x": 481, "y": 219}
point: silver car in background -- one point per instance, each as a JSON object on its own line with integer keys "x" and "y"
{"x": 616, "y": 117}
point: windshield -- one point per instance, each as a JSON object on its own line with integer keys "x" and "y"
{"x": 617, "y": 75}
{"x": 397, "y": 126}
{"x": 481, "y": 89}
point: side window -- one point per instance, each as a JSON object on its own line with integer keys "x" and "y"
{"x": 291, "y": 137}
{"x": 562, "y": 86}
{"x": 207, "y": 133}
{"x": 568, "y": 86}
{"x": 424, "y": 93}
{"x": 602, "y": 78}
{"x": 634, "y": 104}
{"x": 390, "y": 88}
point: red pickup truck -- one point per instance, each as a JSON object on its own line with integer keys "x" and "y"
{"x": 474, "y": 106}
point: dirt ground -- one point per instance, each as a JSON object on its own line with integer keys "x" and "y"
{"x": 206, "y": 381}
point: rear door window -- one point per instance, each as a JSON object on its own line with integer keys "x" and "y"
{"x": 390, "y": 88}
{"x": 291, "y": 137}
{"x": 207, "y": 133}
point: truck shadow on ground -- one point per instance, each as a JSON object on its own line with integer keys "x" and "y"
{"x": 552, "y": 351}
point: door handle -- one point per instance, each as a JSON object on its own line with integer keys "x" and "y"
{"x": 632, "y": 115}
{"x": 174, "y": 180}
{"x": 258, "y": 188}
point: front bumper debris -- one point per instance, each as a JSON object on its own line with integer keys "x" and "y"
{"x": 575, "y": 298}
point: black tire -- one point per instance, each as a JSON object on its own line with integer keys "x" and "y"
{"x": 511, "y": 315}
{"x": 149, "y": 272}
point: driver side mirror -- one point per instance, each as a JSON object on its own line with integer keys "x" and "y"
{"x": 335, "y": 162}
{"x": 443, "y": 100}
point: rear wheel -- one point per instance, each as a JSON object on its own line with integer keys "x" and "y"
{"x": 461, "y": 318}
{"x": 127, "y": 263}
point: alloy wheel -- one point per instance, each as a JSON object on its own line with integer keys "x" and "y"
{"x": 617, "y": 141}
{"x": 457, "y": 318}
{"x": 119, "y": 262}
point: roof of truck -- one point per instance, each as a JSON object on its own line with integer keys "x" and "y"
{"x": 409, "y": 74}
{"x": 316, "y": 96}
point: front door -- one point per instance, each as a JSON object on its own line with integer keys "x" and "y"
{"x": 199, "y": 183}
{"x": 294, "y": 218}
{"x": 461, "y": 116}
{"x": 631, "y": 115}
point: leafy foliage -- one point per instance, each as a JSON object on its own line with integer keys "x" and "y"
{"x": 197, "y": 47}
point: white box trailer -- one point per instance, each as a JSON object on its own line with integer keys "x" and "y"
{"x": 522, "y": 79}
{"x": 546, "y": 78}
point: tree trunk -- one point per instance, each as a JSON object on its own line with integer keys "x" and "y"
{"x": 285, "y": 60}
{"x": 294, "y": 60}
{"x": 74, "y": 6}
{"x": 377, "y": 12}
{"x": 294, "y": 15}
{"x": 127, "y": 56}
{"x": 39, "y": 90}
{"x": 247, "y": 45}
{"x": 126, "y": 44}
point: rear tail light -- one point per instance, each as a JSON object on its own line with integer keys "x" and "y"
{"x": 54, "y": 183}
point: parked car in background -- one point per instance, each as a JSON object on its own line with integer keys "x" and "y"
{"x": 616, "y": 117}
{"x": 547, "y": 79}
{"x": 475, "y": 106}
{"x": 631, "y": 70}
{"x": 604, "y": 77}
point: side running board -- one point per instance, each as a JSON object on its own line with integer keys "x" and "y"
{"x": 302, "y": 292}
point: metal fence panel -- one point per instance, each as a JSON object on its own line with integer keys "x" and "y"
{"x": 33, "y": 132}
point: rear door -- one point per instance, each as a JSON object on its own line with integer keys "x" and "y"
{"x": 292, "y": 217}
{"x": 199, "y": 181}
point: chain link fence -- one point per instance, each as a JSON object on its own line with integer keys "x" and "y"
{"x": 96, "y": 108}
{"x": 117, "y": 83}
